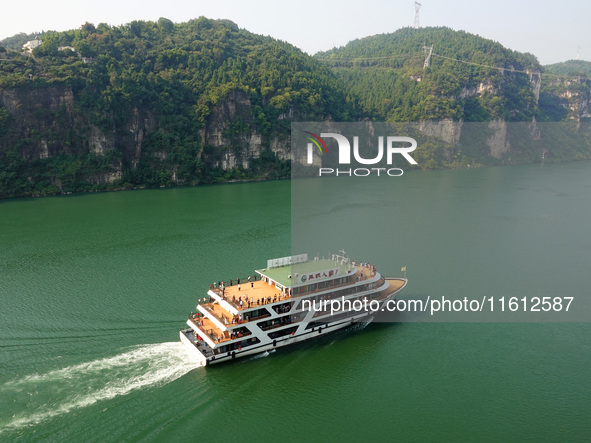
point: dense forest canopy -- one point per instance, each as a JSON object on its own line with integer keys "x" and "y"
{"x": 206, "y": 56}
{"x": 387, "y": 73}
{"x": 177, "y": 72}
{"x": 570, "y": 68}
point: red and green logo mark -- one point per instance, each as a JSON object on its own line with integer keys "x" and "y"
{"x": 315, "y": 140}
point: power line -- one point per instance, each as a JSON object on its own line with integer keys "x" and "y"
{"x": 480, "y": 64}
{"x": 546, "y": 74}
{"x": 430, "y": 54}
{"x": 346, "y": 59}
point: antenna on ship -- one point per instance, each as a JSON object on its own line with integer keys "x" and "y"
{"x": 342, "y": 257}
{"x": 417, "y": 9}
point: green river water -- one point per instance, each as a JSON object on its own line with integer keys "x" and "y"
{"x": 94, "y": 289}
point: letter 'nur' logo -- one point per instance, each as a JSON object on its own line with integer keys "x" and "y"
{"x": 345, "y": 148}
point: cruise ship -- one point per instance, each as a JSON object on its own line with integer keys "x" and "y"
{"x": 291, "y": 300}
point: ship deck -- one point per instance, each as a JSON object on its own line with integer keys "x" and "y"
{"x": 213, "y": 332}
{"x": 263, "y": 293}
{"x": 395, "y": 284}
{"x": 259, "y": 291}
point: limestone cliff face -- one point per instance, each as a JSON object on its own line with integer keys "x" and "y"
{"x": 477, "y": 90}
{"x": 231, "y": 136}
{"x": 576, "y": 99}
{"x": 49, "y": 122}
{"x": 142, "y": 123}
{"x": 37, "y": 119}
{"x": 575, "y": 95}
{"x": 446, "y": 129}
{"x": 535, "y": 78}
{"x": 498, "y": 142}
{"x": 46, "y": 122}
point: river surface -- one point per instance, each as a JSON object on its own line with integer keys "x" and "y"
{"x": 94, "y": 289}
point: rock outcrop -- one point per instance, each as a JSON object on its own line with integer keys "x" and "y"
{"x": 231, "y": 137}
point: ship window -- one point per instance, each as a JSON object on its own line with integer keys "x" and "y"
{"x": 281, "y": 321}
{"x": 283, "y": 308}
{"x": 239, "y": 344}
{"x": 256, "y": 314}
{"x": 282, "y": 333}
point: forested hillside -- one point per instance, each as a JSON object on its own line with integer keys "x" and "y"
{"x": 152, "y": 104}
{"x": 155, "y": 104}
{"x": 570, "y": 68}
{"x": 491, "y": 105}
{"x": 468, "y": 77}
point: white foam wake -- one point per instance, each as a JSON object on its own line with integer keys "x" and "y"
{"x": 87, "y": 383}
{"x": 262, "y": 355}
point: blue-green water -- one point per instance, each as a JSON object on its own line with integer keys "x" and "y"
{"x": 94, "y": 289}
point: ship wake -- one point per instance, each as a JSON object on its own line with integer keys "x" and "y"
{"x": 61, "y": 391}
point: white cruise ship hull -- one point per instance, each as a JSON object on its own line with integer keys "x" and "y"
{"x": 312, "y": 325}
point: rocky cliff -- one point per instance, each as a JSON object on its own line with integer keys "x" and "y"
{"x": 231, "y": 138}
{"x": 42, "y": 124}
{"x": 565, "y": 107}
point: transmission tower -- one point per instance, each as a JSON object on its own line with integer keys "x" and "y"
{"x": 428, "y": 56}
{"x": 417, "y": 9}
